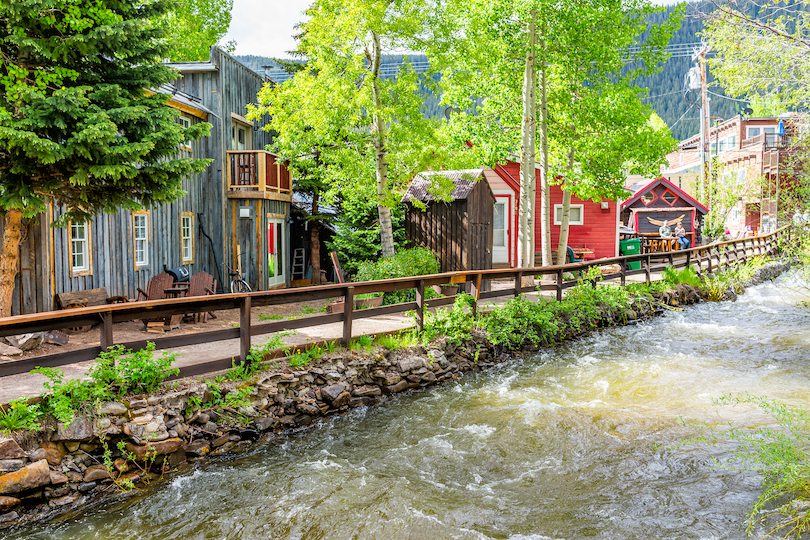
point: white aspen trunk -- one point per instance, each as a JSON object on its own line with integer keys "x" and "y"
{"x": 545, "y": 189}
{"x": 566, "y": 215}
{"x": 9, "y": 259}
{"x": 380, "y": 154}
{"x": 525, "y": 256}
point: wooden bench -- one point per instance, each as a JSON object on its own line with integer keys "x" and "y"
{"x": 90, "y": 297}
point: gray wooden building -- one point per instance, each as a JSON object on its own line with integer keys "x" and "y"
{"x": 238, "y": 206}
{"x": 458, "y": 232}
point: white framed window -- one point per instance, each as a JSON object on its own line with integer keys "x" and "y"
{"x": 576, "y": 216}
{"x": 187, "y": 237}
{"x": 241, "y": 136}
{"x": 140, "y": 233}
{"x": 185, "y": 123}
{"x": 80, "y": 249}
{"x": 729, "y": 143}
{"x": 753, "y": 131}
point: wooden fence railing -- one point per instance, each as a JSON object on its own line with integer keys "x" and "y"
{"x": 704, "y": 259}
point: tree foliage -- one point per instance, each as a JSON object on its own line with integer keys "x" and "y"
{"x": 78, "y": 124}
{"x": 363, "y": 128}
{"x": 194, "y": 26}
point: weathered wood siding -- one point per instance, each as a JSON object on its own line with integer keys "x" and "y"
{"x": 459, "y": 233}
{"x": 45, "y": 255}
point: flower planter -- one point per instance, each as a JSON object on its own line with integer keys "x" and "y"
{"x": 364, "y": 303}
{"x": 446, "y": 290}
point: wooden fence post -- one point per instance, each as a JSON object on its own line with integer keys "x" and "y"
{"x": 348, "y": 312}
{"x": 648, "y": 263}
{"x": 106, "y": 330}
{"x": 420, "y": 305}
{"x": 244, "y": 330}
{"x": 689, "y": 259}
{"x": 518, "y": 283}
{"x": 476, "y": 292}
{"x": 559, "y": 284}
{"x": 624, "y": 271}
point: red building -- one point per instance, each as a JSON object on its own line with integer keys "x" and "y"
{"x": 593, "y": 231}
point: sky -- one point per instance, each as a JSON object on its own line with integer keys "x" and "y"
{"x": 265, "y": 27}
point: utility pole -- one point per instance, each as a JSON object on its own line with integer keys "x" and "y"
{"x": 700, "y": 57}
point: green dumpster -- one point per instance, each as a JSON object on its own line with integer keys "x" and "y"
{"x": 631, "y": 246}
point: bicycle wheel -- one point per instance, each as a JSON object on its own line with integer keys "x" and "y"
{"x": 240, "y": 286}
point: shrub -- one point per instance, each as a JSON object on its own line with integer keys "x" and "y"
{"x": 407, "y": 262}
{"x": 521, "y": 321}
{"x": 64, "y": 399}
{"x": 133, "y": 372}
{"x": 687, "y": 276}
{"x": 780, "y": 454}
{"x": 20, "y": 415}
{"x": 455, "y": 323}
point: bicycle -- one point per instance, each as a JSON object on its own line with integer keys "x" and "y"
{"x": 238, "y": 283}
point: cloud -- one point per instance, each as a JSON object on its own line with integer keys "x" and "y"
{"x": 265, "y": 27}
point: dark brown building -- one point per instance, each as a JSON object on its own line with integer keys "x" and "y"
{"x": 459, "y": 232}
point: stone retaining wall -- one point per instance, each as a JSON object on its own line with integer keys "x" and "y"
{"x": 43, "y": 474}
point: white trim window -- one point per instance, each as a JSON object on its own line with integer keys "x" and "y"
{"x": 576, "y": 216}
{"x": 187, "y": 237}
{"x": 140, "y": 232}
{"x": 753, "y": 131}
{"x": 79, "y": 247}
{"x": 185, "y": 122}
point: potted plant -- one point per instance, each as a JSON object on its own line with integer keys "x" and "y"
{"x": 447, "y": 289}
{"x": 368, "y": 300}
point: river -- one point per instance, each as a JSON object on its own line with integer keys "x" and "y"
{"x": 573, "y": 443}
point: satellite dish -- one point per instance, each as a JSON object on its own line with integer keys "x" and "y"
{"x": 748, "y": 111}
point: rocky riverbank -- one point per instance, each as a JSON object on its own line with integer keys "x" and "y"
{"x": 135, "y": 441}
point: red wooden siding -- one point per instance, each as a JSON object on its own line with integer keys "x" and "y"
{"x": 598, "y": 232}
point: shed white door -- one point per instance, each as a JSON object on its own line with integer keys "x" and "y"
{"x": 500, "y": 232}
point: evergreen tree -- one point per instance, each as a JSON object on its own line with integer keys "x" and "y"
{"x": 81, "y": 124}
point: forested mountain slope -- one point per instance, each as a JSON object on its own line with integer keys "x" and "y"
{"x": 665, "y": 88}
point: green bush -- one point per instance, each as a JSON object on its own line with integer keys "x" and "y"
{"x": 521, "y": 321}
{"x": 65, "y": 398}
{"x": 687, "y": 276}
{"x": 779, "y": 453}
{"x": 20, "y": 415}
{"x": 407, "y": 262}
{"x": 455, "y": 323}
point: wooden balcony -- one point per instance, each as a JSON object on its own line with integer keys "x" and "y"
{"x": 257, "y": 174}
{"x": 770, "y": 141}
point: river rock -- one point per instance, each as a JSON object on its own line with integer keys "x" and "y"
{"x": 152, "y": 449}
{"x": 219, "y": 441}
{"x": 392, "y": 378}
{"x": 94, "y": 473}
{"x": 265, "y": 423}
{"x": 113, "y": 408}
{"x": 308, "y": 408}
{"x": 136, "y": 404}
{"x": 367, "y": 390}
{"x": 399, "y": 387}
{"x": 58, "y": 478}
{"x": 331, "y": 392}
{"x": 32, "y": 476}
{"x": 7, "y": 502}
{"x": 409, "y": 363}
{"x": 9, "y": 465}
{"x": 9, "y": 350}
{"x": 9, "y": 449}
{"x": 66, "y": 500}
{"x": 26, "y": 342}
{"x": 341, "y": 400}
{"x": 142, "y": 420}
{"x": 197, "y": 448}
{"x": 80, "y": 429}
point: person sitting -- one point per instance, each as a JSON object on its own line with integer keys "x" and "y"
{"x": 664, "y": 230}
{"x": 680, "y": 235}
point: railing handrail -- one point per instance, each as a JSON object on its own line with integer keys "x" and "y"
{"x": 112, "y": 313}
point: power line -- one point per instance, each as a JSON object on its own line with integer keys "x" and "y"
{"x": 662, "y": 95}
{"x": 684, "y": 114}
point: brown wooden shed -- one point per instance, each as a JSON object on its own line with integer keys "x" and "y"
{"x": 458, "y": 232}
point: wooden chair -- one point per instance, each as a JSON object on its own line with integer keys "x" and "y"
{"x": 155, "y": 290}
{"x": 202, "y": 284}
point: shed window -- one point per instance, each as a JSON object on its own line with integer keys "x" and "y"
{"x": 140, "y": 223}
{"x": 185, "y": 123}
{"x": 575, "y": 217}
{"x": 648, "y": 198}
{"x": 79, "y": 248}
{"x": 669, "y": 197}
{"x": 187, "y": 236}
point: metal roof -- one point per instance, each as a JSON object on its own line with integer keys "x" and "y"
{"x": 464, "y": 181}
{"x": 188, "y": 67}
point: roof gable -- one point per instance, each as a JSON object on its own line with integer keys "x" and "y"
{"x": 464, "y": 181}
{"x": 661, "y": 181}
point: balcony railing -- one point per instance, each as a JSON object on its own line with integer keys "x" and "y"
{"x": 254, "y": 173}
{"x": 771, "y": 141}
